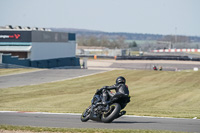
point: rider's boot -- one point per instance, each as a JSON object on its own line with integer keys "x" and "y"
{"x": 106, "y": 106}
{"x": 121, "y": 113}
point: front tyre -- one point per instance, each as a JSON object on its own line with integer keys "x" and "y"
{"x": 86, "y": 114}
{"x": 113, "y": 113}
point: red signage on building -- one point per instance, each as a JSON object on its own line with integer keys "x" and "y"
{"x": 14, "y": 36}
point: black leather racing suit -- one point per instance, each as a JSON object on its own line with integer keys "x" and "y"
{"x": 119, "y": 88}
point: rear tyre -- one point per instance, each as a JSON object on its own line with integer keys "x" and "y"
{"x": 86, "y": 114}
{"x": 113, "y": 113}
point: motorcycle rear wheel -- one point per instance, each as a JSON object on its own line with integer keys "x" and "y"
{"x": 85, "y": 115}
{"x": 113, "y": 113}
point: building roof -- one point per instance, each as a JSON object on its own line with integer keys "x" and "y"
{"x": 35, "y": 36}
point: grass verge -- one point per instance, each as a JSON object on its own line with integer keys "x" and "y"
{"x": 19, "y": 129}
{"x": 153, "y": 93}
{"x": 15, "y": 71}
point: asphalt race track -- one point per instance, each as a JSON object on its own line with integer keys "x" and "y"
{"x": 95, "y": 66}
{"x": 167, "y": 65}
{"x": 43, "y": 76}
{"x": 148, "y": 66}
{"x": 73, "y": 121}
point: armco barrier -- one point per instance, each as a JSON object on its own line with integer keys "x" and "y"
{"x": 8, "y": 59}
{"x": 184, "y": 58}
{"x": 51, "y": 63}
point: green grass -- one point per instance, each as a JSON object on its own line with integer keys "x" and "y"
{"x": 73, "y": 130}
{"x": 15, "y": 71}
{"x": 153, "y": 93}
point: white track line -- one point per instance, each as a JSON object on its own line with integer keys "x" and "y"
{"x": 78, "y": 114}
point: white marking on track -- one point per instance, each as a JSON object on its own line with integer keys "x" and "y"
{"x": 78, "y": 114}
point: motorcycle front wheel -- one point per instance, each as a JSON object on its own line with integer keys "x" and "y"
{"x": 85, "y": 115}
{"x": 113, "y": 113}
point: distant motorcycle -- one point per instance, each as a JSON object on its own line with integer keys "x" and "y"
{"x": 98, "y": 112}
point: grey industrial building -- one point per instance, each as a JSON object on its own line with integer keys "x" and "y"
{"x": 38, "y": 48}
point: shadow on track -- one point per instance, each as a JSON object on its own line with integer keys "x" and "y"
{"x": 122, "y": 122}
{"x": 125, "y": 122}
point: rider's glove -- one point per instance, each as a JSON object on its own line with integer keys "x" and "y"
{"x": 98, "y": 90}
{"x": 105, "y": 87}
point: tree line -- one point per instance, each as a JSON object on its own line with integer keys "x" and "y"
{"x": 128, "y": 36}
{"x": 119, "y": 39}
{"x": 103, "y": 41}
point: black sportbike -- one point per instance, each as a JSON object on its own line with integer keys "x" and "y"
{"x": 99, "y": 112}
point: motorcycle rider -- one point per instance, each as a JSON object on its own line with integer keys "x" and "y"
{"x": 120, "y": 87}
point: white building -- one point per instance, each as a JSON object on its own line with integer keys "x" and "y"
{"x": 39, "y": 48}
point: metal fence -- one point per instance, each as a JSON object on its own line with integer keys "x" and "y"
{"x": 1, "y": 58}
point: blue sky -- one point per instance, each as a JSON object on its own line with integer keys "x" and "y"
{"x": 166, "y": 17}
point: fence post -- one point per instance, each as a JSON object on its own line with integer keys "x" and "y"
{"x": 1, "y": 58}
{"x": 84, "y": 63}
